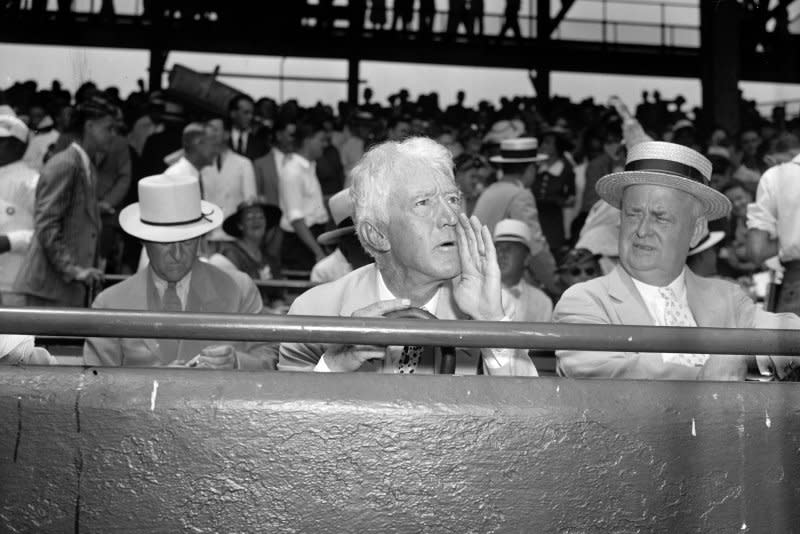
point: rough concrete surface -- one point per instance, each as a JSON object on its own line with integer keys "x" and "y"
{"x": 170, "y": 450}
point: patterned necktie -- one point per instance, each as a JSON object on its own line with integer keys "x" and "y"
{"x": 677, "y": 314}
{"x": 409, "y": 359}
{"x": 170, "y": 302}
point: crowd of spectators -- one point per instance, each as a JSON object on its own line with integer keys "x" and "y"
{"x": 244, "y": 155}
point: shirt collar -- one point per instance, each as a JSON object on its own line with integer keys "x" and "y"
{"x": 385, "y": 294}
{"x": 181, "y": 286}
{"x": 678, "y": 287}
{"x": 188, "y": 163}
{"x": 303, "y": 161}
{"x": 84, "y": 157}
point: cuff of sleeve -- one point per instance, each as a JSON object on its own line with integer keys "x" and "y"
{"x": 321, "y": 366}
{"x": 497, "y": 358}
{"x": 295, "y": 215}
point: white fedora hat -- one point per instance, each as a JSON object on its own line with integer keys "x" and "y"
{"x": 519, "y": 150}
{"x": 512, "y": 230}
{"x": 342, "y": 211}
{"x": 668, "y": 165}
{"x": 711, "y": 239}
{"x": 169, "y": 210}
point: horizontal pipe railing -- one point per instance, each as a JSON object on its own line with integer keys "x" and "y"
{"x": 316, "y": 329}
{"x": 279, "y": 283}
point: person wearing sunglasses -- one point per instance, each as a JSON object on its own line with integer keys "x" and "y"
{"x": 579, "y": 265}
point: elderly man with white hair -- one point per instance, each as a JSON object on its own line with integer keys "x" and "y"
{"x": 428, "y": 254}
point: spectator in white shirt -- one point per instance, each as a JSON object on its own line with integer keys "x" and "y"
{"x": 199, "y": 151}
{"x": 229, "y": 180}
{"x": 304, "y": 213}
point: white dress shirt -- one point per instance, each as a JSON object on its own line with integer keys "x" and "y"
{"x": 182, "y": 167}
{"x": 526, "y": 303}
{"x": 181, "y": 287}
{"x": 300, "y": 193}
{"x": 236, "y": 134}
{"x": 777, "y": 208}
{"x": 656, "y": 304}
{"x": 228, "y": 185}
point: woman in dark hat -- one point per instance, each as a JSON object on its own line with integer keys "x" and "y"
{"x": 251, "y": 225}
{"x": 554, "y": 187}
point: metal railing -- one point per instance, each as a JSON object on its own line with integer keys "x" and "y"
{"x": 660, "y": 28}
{"x": 376, "y": 331}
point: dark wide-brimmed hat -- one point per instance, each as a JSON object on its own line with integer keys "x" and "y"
{"x": 519, "y": 150}
{"x": 271, "y": 212}
{"x": 668, "y": 165}
{"x": 342, "y": 211}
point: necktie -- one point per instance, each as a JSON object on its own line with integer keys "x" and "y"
{"x": 202, "y": 189}
{"x": 170, "y": 302}
{"x": 409, "y": 359}
{"x": 240, "y": 144}
{"x": 676, "y": 313}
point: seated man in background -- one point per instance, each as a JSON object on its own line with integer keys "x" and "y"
{"x": 349, "y": 253}
{"x": 666, "y": 203}
{"x": 409, "y": 217}
{"x": 521, "y": 300}
{"x": 170, "y": 218}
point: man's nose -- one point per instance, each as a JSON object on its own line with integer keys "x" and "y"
{"x": 644, "y": 226}
{"x": 448, "y": 215}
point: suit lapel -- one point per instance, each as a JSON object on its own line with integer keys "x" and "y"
{"x": 626, "y": 299}
{"x": 202, "y": 293}
{"x": 89, "y": 188}
{"x": 154, "y": 304}
{"x": 707, "y": 307}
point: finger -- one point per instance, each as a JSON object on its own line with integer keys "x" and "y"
{"x": 469, "y": 233}
{"x": 477, "y": 227}
{"x": 381, "y": 307}
{"x": 491, "y": 252}
{"x": 463, "y": 249}
{"x": 216, "y": 350}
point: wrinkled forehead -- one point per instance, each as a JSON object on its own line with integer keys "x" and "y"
{"x": 422, "y": 180}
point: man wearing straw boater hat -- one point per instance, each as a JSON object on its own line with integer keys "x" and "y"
{"x": 511, "y": 198}
{"x": 666, "y": 203}
{"x": 170, "y": 218}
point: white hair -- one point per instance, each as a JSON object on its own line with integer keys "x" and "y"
{"x": 389, "y": 163}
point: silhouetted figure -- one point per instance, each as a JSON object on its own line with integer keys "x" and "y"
{"x": 475, "y": 16}
{"x": 512, "y": 19}
{"x": 427, "y": 12}
{"x": 377, "y": 14}
{"x": 64, "y": 8}
{"x": 358, "y": 14}
{"x": 107, "y": 9}
{"x": 456, "y": 16}
{"x": 403, "y": 13}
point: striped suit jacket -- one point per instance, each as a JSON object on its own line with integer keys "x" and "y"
{"x": 66, "y": 230}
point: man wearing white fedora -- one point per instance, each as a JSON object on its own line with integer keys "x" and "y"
{"x": 169, "y": 218}
{"x": 666, "y": 202}
{"x": 511, "y": 198}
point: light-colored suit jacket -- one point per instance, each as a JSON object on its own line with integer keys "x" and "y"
{"x": 211, "y": 290}
{"x": 614, "y": 299}
{"x": 67, "y": 226}
{"x": 359, "y": 289}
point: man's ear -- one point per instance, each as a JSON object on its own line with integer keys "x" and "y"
{"x": 700, "y": 230}
{"x": 373, "y": 237}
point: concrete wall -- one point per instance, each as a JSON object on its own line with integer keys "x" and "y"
{"x": 178, "y": 450}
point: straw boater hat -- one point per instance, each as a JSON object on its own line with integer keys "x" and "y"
{"x": 271, "y": 212}
{"x": 519, "y": 150}
{"x": 668, "y": 165}
{"x": 342, "y": 210}
{"x": 169, "y": 210}
{"x": 512, "y": 231}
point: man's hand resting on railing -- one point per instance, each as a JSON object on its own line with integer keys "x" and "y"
{"x": 214, "y": 357}
{"x": 348, "y": 358}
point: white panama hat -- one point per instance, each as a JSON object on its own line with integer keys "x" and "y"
{"x": 519, "y": 150}
{"x": 668, "y": 165}
{"x": 710, "y": 239}
{"x": 513, "y": 231}
{"x": 342, "y": 211}
{"x": 169, "y": 210}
